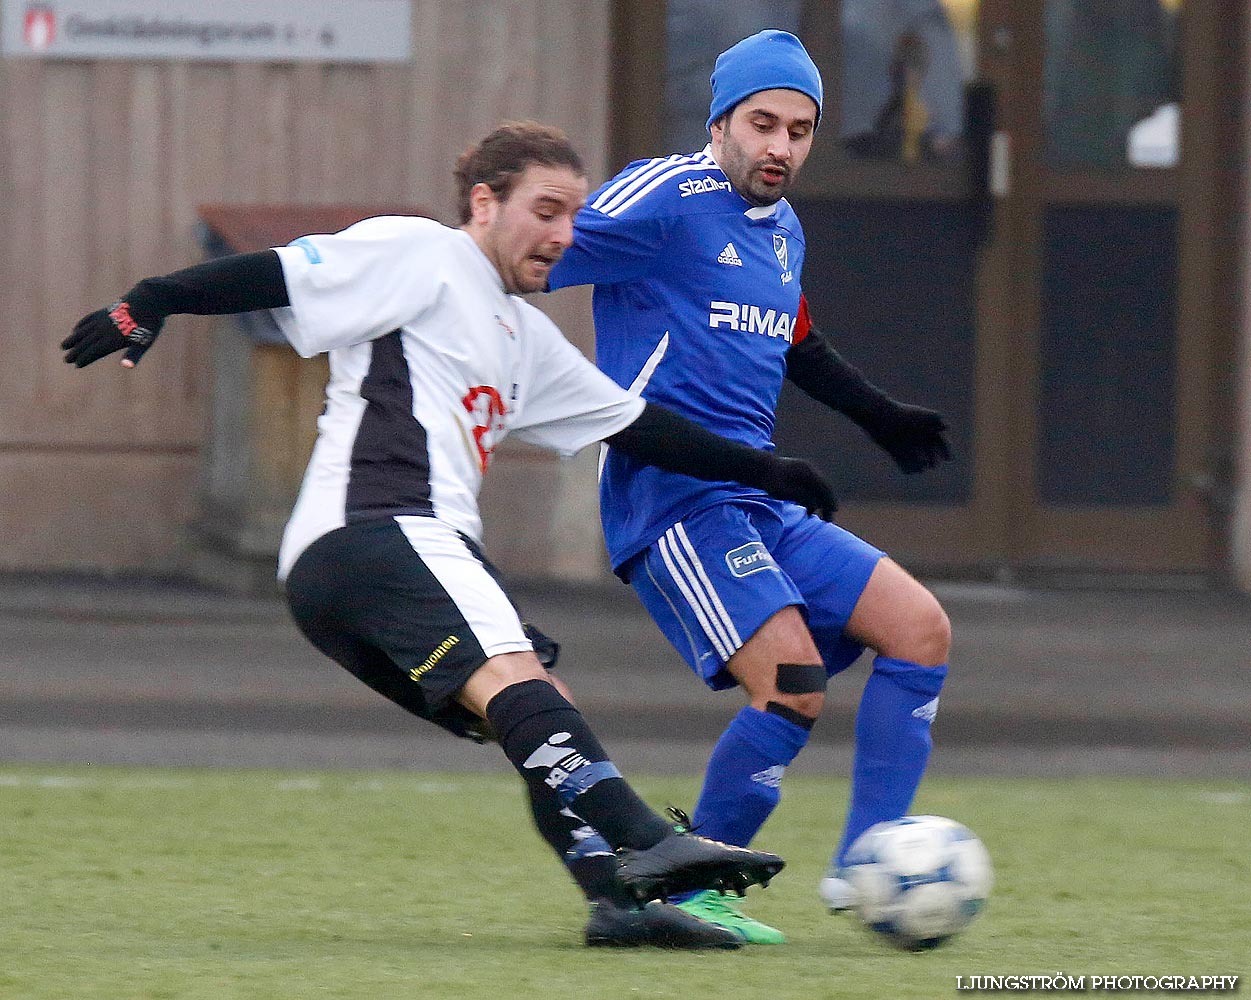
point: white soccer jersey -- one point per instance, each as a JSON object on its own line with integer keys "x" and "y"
{"x": 432, "y": 364}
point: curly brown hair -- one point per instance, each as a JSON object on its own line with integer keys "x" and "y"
{"x": 499, "y": 159}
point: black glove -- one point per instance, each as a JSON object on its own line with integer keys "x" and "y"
{"x": 795, "y": 480}
{"x": 546, "y": 648}
{"x": 912, "y": 435}
{"x": 104, "y": 331}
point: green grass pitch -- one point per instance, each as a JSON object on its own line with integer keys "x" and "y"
{"x": 142, "y": 884}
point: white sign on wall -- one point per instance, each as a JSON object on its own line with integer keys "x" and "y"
{"x": 222, "y": 31}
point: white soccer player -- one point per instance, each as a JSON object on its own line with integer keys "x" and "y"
{"x": 433, "y": 360}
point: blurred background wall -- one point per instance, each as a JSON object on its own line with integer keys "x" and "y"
{"x": 1028, "y": 213}
{"x": 1240, "y": 534}
{"x": 104, "y": 164}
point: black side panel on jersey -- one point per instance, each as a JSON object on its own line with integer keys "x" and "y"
{"x": 390, "y": 470}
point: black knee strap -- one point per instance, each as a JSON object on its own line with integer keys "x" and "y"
{"x": 801, "y": 678}
{"x": 790, "y": 715}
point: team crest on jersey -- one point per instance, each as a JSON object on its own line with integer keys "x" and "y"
{"x": 784, "y": 257}
{"x": 779, "y": 248}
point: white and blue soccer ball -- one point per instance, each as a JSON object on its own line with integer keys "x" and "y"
{"x": 918, "y": 880}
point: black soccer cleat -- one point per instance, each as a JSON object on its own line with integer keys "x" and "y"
{"x": 657, "y": 925}
{"x": 684, "y": 862}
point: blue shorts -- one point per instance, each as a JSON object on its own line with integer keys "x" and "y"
{"x": 714, "y": 578}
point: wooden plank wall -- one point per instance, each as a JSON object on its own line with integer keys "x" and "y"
{"x": 102, "y": 166}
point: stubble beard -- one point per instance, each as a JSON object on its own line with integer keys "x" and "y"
{"x": 743, "y": 176}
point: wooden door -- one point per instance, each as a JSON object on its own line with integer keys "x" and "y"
{"x": 1006, "y": 222}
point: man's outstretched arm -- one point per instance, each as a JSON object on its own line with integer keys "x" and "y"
{"x": 662, "y": 438}
{"x": 234, "y": 284}
{"x": 915, "y": 437}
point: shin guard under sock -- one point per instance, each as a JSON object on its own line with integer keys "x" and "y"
{"x": 550, "y": 744}
{"x": 587, "y": 856}
{"x": 892, "y": 743}
{"x": 742, "y": 784}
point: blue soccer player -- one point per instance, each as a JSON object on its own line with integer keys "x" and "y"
{"x": 697, "y": 262}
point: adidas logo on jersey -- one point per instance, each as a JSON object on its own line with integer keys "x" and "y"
{"x": 730, "y": 256}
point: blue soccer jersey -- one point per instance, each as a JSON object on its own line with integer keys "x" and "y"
{"x": 697, "y": 300}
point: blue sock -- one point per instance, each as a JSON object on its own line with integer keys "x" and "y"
{"x": 742, "y": 784}
{"x": 892, "y": 743}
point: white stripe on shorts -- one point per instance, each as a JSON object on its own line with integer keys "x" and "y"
{"x": 679, "y": 578}
{"x": 730, "y": 627}
{"x": 479, "y": 599}
{"x": 688, "y": 574}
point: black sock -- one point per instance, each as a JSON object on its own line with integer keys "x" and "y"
{"x": 550, "y": 745}
{"x": 585, "y": 854}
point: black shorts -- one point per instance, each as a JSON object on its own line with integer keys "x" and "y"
{"x": 408, "y": 605}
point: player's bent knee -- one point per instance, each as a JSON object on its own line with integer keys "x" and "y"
{"x": 562, "y": 687}
{"x": 935, "y": 632}
{"x": 497, "y": 673}
{"x": 925, "y": 639}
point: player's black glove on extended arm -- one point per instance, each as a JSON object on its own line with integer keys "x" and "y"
{"x": 662, "y": 438}
{"x": 104, "y": 331}
{"x": 238, "y": 283}
{"x": 915, "y": 437}
{"x": 796, "y": 480}
{"x": 912, "y": 435}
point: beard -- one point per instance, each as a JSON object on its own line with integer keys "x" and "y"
{"x": 746, "y": 176}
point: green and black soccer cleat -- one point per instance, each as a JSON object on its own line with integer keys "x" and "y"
{"x": 657, "y": 925}
{"x": 684, "y": 862}
{"x": 716, "y": 908}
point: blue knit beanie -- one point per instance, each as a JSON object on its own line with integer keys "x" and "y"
{"x": 767, "y": 60}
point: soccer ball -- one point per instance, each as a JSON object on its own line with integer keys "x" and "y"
{"x": 918, "y": 880}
